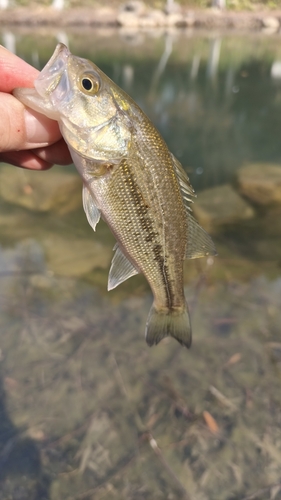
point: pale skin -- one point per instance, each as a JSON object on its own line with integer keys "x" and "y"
{"x": 27, "y": 139}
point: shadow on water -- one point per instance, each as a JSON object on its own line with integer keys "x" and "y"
{"x": 87, "y": 411}
{"x": 21, "y": 476}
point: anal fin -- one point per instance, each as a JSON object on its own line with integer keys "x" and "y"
{"x": 121, "y": 269}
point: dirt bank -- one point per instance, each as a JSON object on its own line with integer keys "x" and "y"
{"x": 150, "y": 19}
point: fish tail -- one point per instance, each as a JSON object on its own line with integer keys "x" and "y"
{"x": 173, "y": 323}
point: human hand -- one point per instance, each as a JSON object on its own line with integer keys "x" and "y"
{"x": 27, "y": 138}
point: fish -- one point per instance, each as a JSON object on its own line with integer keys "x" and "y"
{"x": 130, "y": 179}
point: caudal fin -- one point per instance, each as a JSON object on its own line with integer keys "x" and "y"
{"x": 162, "y": 324}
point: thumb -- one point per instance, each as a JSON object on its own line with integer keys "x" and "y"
{"x": 22, "y": 128}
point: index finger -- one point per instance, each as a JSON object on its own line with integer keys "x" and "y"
{"x": 15, "y": 72}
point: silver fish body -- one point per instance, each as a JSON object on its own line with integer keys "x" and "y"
{"x": 130, "y": 179}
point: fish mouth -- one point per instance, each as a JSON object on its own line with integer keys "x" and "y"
{"x": 54, "y": 74}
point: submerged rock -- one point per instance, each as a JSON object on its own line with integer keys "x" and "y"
{"x": 220, "y": 205}
{"x": 75, "y": 257}
{"x": 40, "y": 192}
{"x": 261, "y": 183}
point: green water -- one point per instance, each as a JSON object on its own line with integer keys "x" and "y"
{"x": 87, "y": 410}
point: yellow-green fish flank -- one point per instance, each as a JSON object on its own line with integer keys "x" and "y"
{"x": 130, "y": 179}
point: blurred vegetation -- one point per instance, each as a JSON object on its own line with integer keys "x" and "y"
{"x": 158, "y": 4}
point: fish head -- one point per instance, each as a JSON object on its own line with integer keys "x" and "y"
{"x": 76, "y": 93}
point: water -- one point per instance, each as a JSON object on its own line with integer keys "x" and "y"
{"x": 87, "y": 410}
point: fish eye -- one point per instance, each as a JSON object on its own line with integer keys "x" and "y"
{"x": 89, "y": 84}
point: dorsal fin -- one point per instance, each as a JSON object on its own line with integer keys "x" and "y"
{"x": 92, "y": 212}
{"x": 187, "y": 190}
{"x": 121, "y": 269}
{"x": 199, "y": 243}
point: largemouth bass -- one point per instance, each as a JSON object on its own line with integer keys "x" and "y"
{"x": 131, "y": 179}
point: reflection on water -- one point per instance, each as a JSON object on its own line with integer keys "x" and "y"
{"x": 214, "y": 99}
{"x": 87, "y": 410}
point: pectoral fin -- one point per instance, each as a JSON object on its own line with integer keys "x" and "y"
{"x": 199, "y": 243}
{"x": 92, "y": 212}
{"x": 121, "y": 269}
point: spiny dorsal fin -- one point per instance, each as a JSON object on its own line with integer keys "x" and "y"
{"x": 199, "y": 243}
{"x": 185, "y": 186}
{"x": 92, "y": 212}
{"x": 121, "y": 269}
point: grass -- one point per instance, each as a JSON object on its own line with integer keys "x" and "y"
{"x": 201, "y": 4}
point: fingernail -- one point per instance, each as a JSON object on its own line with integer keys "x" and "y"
{"x": 39, "y": 129}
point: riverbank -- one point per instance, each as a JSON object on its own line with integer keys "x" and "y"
{"x": 212, "y": 18}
